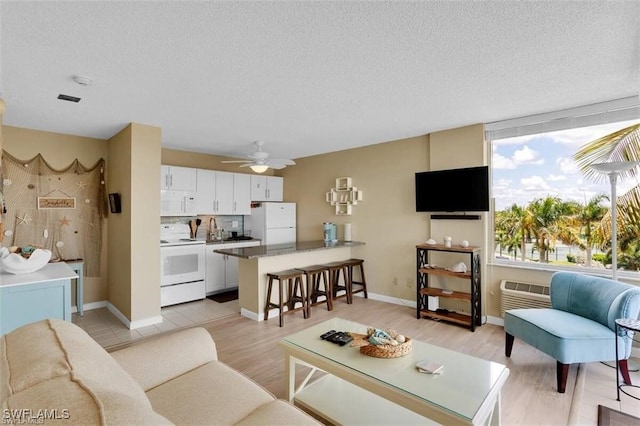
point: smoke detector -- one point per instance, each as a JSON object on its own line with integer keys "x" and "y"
{"x": 82, "y": 80}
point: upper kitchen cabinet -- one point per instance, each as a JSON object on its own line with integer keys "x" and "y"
{"x": 177, "y": 178}
{"x": 241, "y": 193}
{"x": 267, "y": 188}
{"x": 215, "y": 192}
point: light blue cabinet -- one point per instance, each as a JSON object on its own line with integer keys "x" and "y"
{"x": 32, "y": 297}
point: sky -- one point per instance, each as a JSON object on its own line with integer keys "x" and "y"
{"x": 536, "y": 166}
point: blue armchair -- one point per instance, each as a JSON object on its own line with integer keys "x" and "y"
{"x": 579, "y": 326}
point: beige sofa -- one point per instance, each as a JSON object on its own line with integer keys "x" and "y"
{"x": 52, "y": 370}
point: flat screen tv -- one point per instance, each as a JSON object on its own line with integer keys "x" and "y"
{"x": 454, "y": 190}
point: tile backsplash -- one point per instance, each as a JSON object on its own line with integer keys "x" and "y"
{"x": 229, "y": 223}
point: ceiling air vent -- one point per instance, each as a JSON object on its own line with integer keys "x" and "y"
{"x": 68, "y": 98}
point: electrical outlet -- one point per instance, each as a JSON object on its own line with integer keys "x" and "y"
{"x": 234, "y": 224}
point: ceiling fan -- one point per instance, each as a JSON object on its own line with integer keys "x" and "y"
{"x": 259, "y": 160}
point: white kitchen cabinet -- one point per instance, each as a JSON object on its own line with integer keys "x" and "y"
{"x": 241, "y": 193}
{"x": 177, "y": 178}
{"x": 267, "y": 188}
{"x": 221, "y": 271}
{"x": 223, "y": 193}
{"x": 214, "y": 272}
{"x": 215, "y": 192}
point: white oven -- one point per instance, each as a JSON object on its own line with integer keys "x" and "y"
{"x": 181, "y": 266}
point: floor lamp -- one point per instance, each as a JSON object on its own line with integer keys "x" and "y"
{"x": 613, "y": 170}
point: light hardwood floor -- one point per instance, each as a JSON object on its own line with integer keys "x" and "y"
{"x": 528, "y": 398}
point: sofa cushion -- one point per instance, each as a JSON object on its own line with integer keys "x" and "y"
{"x": 173, "y": 355}
{"x": 55, "y": 365}
{"x": 599, "y": 299}
{"x": 277, "y": 412}
{"x": 213, "y": 391}
{"x": 564, "y": 336}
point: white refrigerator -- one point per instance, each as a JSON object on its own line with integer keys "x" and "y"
{"x": 273, "y": 223}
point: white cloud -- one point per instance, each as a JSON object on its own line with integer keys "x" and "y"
{"x": 500, "y": 184}
{"x": 502, "y": 162}
{"x": 567, "y": 165}
{"x": 527, "y": 155}
{"x": 555, "y": 178}
{"x": 534, "y": 183}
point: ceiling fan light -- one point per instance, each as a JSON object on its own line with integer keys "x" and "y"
{"x": 259, "y": 168}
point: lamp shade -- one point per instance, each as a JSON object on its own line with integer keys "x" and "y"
{"x": 614, "y": 166}
{"x": 259, "y": 168}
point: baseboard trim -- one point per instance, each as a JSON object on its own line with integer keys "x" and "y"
{"x": 90, "y": 306}
{"x": 251, "y": 315}
{"x": 132, "y": 325}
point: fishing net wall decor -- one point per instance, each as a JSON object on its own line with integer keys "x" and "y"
{"x": 59, "y": 210}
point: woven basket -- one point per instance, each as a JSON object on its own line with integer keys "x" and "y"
{"x": 381, "y": 351}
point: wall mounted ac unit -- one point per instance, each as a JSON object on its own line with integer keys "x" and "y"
{"x": 517, "y": 295}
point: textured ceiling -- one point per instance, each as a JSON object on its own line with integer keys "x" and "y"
{"x": 308, "y": 77}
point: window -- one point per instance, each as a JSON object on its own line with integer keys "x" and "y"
{"x": 545, "y": 209}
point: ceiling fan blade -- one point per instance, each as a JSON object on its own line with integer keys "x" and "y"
{"x": 235, "y": 161}
{"x": 281, "y": 162}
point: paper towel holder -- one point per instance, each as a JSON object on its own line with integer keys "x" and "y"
{"x": 347, "y": 232}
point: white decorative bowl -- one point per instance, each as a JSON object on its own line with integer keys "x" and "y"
{"x": 16, "y": 264}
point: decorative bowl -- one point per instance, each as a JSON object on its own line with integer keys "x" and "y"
{"x": 16, "y": 264}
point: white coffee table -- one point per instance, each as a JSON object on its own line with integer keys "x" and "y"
{"x": 359, "y": 389}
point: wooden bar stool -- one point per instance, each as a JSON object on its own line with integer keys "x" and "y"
{"x": 356, "y": 263}
{"x": 335, "y": 269}
{"x": 314, "y": 274}
{"x": 295, "y": 293}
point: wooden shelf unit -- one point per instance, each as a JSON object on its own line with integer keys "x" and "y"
{"x": 424, "y": 290}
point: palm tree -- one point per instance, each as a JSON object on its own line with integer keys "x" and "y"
{"x": 623, "y": 145}
{"x": 545, "y": 212}
{"x": 630, "y": 258}
{"x": 513, "y": 227}
{"x": 589, "y": 218}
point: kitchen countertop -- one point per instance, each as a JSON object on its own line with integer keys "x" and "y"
{"x": 282, "y": 249}
{"x": 219, "y": 242}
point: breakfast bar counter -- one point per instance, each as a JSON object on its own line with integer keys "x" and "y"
{"x": 255, "y": 262}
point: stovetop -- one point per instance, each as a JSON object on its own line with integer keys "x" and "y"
{"x": 239, "y": 238}
{"x": 177, "y": 234}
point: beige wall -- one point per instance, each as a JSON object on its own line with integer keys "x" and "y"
{"x": 451, "y": 149}
{"x": 385, "y": 220}
{"x": 59, "y": 150}
{"x": 119, "y": 243}
{"x": 145, "y": 222}
{"x": 134, "y": 252}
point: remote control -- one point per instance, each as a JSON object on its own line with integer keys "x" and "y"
{"x": 341, "y": 338}
{"x": 328, "y": 334}
{"x": 344, "y": 339}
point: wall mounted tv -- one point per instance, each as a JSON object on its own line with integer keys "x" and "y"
{"x": 455, "y": 190}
